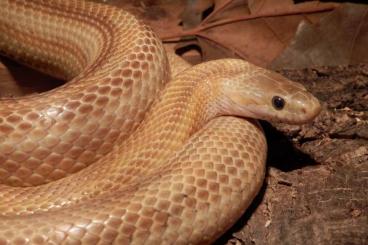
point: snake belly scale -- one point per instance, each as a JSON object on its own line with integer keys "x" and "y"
{"x": 126, "y": 152}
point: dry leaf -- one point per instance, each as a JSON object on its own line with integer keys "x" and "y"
{"x": 164, "y": 16}
{"x": 340, "y": 38}
{"x": 257, "y": 31}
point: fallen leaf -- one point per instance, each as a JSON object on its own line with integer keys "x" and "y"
{"x": 164, "y": 16}
{"x": 340, "y": 38}
{"x": 257, "y": 31}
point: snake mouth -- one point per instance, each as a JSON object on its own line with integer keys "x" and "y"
{"x": 295, "y": 118}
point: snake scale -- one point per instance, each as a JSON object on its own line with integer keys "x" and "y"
{"x": 134, "y": 149}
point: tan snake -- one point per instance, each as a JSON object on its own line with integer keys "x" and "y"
{"x": 182, "y": 173}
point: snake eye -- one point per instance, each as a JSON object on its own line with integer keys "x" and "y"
{"x": 278, "y": 102}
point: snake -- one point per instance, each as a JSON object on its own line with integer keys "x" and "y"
{"x": 138, "y": 146}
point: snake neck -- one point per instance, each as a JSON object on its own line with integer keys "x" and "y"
{"x": 188, "y": 102}
{"x": 183, "y": 108}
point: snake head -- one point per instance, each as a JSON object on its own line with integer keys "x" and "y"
{"x": 262, "y": 94}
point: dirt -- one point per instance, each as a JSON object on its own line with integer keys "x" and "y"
{"x": 316, "y": 189}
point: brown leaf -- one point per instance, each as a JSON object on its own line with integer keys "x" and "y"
{"x": 340, "y": 38}
{"x": 257, "y": 31}
{"x": 164, "y": 16}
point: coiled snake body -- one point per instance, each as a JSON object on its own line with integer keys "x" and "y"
{"x": 181, "y": 173}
